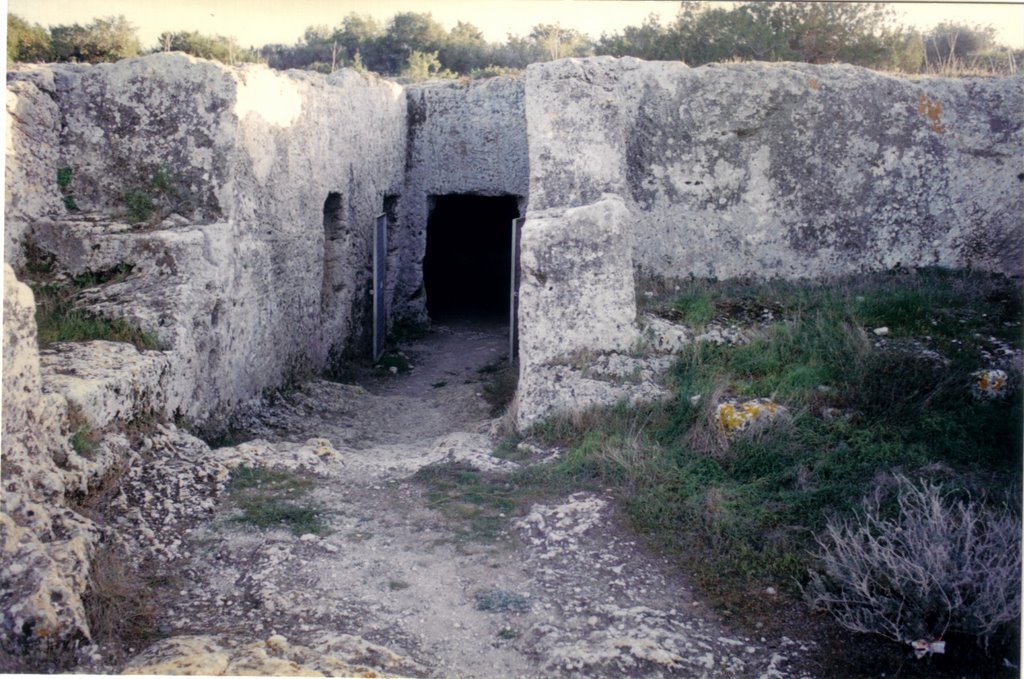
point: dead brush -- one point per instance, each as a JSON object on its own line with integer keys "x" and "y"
{"x": 940, "y": 566}
{"x": 119, "y": 604}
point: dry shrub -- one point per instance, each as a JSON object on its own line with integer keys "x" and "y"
{"x": 941, "y": 566}
{"x": 119, "y": 604}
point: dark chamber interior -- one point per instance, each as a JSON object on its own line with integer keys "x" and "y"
{"x": 468, "y": 262}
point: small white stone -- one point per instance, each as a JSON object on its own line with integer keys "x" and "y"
{"x": 770, "y": 590}
{"x": 393, "y": 370}
{"x": 309, "y": 537}
{"x": 882, "y": 332}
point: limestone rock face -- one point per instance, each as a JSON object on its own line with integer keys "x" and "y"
{"x": 45, "y": 545}
{"x": 783, "y": 169}
{"x": 576, "y": 292}
{"x": 322, "y": 655}
{"x": 32, "y": 126}
{"x": 244, "y": 198}
{"x": 109, "y": 382}
{"x": 763, "y": 170}
{"x": 576, "y": 295}
{"x": 462, "y": 139}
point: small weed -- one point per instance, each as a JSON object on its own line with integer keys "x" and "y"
{"x": 159, "y": 196}
{"x": 83, "y": 441}
{"x": 162, "y": 180}
{"x": 275, "y": 499}
{"x": 394, "y": 359}
{"x": 501, "y": 601}
{"x": 63, "y": 177}
{"x": 139, "y": 204}
{"x": 398, "y": 585}
{"x": 501, "y": 389}
{"x": 508, "y": 633}
{"x": 38, "y": 262}
{"x": 64, "y": 184}
{"x": 406, "y": 331}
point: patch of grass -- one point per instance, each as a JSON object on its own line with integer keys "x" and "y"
{"x": 695, "y": 309}
{"x": 394, "y": 359}
{"x": 59, "y": 318}
{"x": 501, "y": 601}
{"x": 478, "y": 503}
{"x": 275, "y": 499}
{"x": 744, "y": 514}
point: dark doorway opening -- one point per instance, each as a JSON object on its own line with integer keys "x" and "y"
{"x": 468, "y": 264}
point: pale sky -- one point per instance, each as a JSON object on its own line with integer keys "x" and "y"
{"x": 258, "y": 22}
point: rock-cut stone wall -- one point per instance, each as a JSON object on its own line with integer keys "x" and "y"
{"x": 463, "y": 138}
{"x": 253, "y": 264}
{"x": 756, "y": 169}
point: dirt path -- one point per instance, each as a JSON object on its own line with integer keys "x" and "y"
{"x": 563, "y": 590}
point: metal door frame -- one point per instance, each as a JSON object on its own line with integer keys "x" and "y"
{"x": 513, "y": 310}
{"x": 380, "y": 261}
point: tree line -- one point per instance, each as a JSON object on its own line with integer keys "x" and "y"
{"x": 414, "y": 46}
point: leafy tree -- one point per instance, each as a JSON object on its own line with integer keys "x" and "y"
{"x": 706, "y": 35}
{"x": 27, "y": 42}
{"x": 650, "y": 41}
{"x": 104, "y": 39}
{"x": 949, "y": 43}
{"x": 360, "y": 36}
{"x": 217, "y": 47}
{"x": 409, "y": 32}
{"x": 826, "y": 32}
{"x": 814, "y": 32}
{"x": 465, "y": 49}
{"x": 516, "y": 53}
{"x": 424, "y": 66}
{"x": 551, "y": 42}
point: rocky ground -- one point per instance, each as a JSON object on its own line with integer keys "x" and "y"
{"x": 394, "y": 585}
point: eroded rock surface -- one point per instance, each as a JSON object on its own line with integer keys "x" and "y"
{"x": 756, "y": 169}
{"x": 565, "y": 589}
{"x": 46, "y": 546}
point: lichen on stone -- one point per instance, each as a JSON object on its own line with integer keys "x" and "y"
{"x": 732, "y": 417}
{"x": 990, "y": 383}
